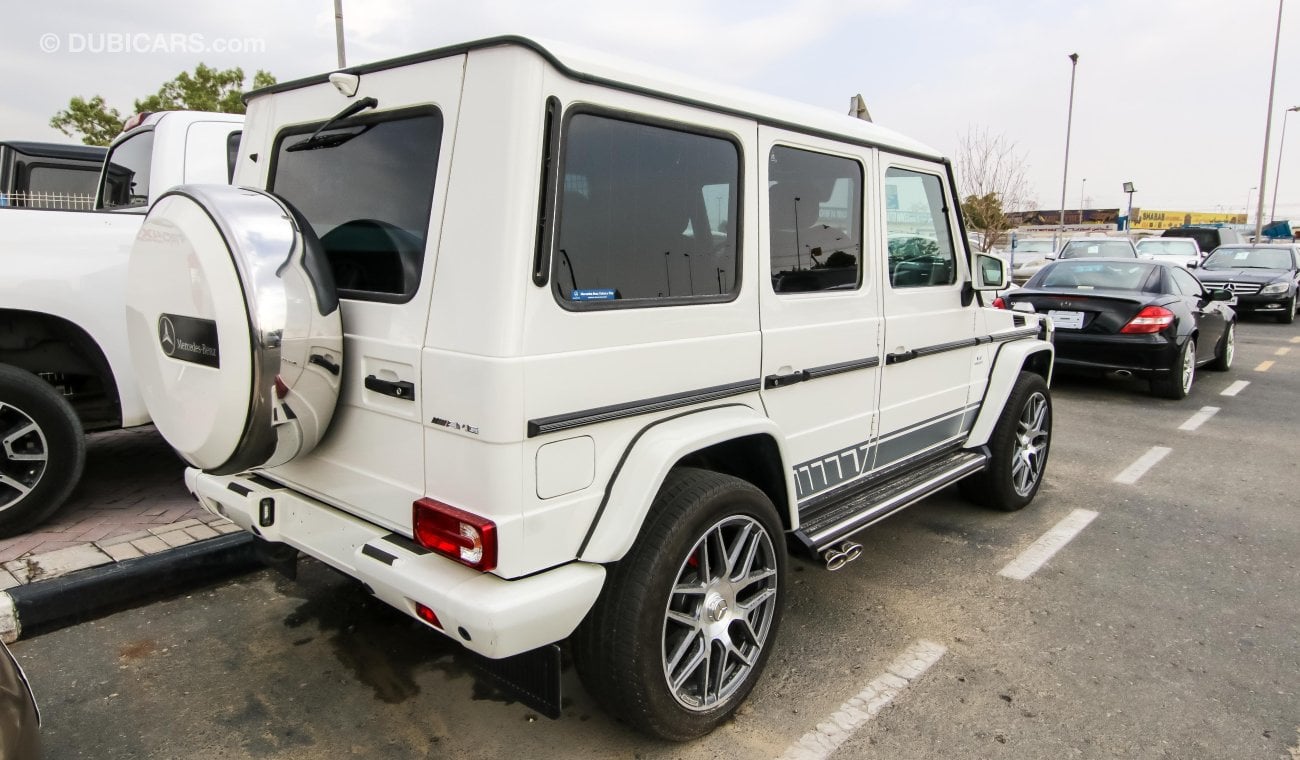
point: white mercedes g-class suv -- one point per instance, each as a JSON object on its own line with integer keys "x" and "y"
{"x": 540, "y": 346}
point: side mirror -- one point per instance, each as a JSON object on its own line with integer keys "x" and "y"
{"x": 990, "y": 272}
{"x": 1221, "y": 295}
{"x": 1192, "y": 264}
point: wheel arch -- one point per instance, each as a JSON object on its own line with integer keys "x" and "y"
{"x": 734, "y": 439}
{"x": 1034, "y": 356}
{"x": 45, "y": 344}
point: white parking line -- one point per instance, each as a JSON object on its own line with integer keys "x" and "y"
{"x": 1051, "y": 542}
{"x": 1296, "y": 339}
{"x": 1139, "y": 468}
{"x": 1198, "y": 419}
{"x": 866, "y": 704}
{"x": 1235, "y": 388}
{"x": 1264, "y": 366}
{"x": 1282, "y": 351}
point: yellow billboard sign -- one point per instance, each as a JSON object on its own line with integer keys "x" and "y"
{"x": 1163, "y": 220}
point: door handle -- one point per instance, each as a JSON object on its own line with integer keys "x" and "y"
{"x": 900, "y": 357}
{"x": 781, "y": 381}
{"x": 395, "y": 388}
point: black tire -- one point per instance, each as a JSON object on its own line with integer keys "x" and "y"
{"x": 1182, "y": 374}
{"x": 1227, "y": 350}
{"x": 42, "y": 450}
{"x": 1019, "y": 447}
{"x": 621, "y": 649}
{"x": 1288, "y": 315}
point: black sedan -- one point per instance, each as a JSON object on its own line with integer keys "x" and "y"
{"x": 1263, "y": 277}
{"x": 1150, "y": 319}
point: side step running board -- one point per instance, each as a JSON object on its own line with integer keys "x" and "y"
{"x": 827, "y": 527}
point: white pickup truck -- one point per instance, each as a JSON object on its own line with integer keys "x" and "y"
{"x": 64, "y": 366}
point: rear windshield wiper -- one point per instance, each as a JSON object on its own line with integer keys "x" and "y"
{"x": 333, "y": 140}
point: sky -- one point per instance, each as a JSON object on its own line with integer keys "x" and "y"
{"x": 1171, "y": 95}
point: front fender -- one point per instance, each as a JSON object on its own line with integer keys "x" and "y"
{"x": 1011, "y": 358}
{"x": 637, "y": 479}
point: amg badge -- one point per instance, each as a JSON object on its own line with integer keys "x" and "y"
{"x": 189, "y": 339}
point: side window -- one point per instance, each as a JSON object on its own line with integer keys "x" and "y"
{"x": 1188, "y": 284}
{"x": 648, "y": 215}
{"x": 126, "y": 173}
{"x": 920, "y": 241}
{"x": 366, "y": 188}
{"x": 815, "y": 218}
{"x": 232, "y": 153}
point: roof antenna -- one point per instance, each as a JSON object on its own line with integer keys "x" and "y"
{"x": 858, "y": 108}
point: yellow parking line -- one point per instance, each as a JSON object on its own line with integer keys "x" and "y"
{"x": 1264, "y": 366}
{"x": 1282, "y": 352}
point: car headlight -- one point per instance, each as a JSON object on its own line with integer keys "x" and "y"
{"x": 1273, "y": 288}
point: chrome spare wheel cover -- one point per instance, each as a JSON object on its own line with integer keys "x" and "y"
{"x": 719, "y": 613}
{"x": 234, "y": 327}
{"x": 1032, "y": 436}
{"x": 24, "y": 455}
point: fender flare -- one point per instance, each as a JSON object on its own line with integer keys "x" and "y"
{"x": 652, "y": 453}
{"x": 1011, "y": 358}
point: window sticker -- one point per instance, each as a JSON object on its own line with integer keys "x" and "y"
{"x": 594, "y": 294}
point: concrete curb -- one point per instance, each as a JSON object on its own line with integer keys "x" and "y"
{"x": 49, "y": 604}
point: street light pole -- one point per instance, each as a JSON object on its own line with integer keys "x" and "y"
{"x": 1069, "y": 121}
{"x": 1128, "y": 220}
{"x": 1082, "y": 188}
{"x": 1248, "y": 192}
{"x": 1277, "y": 175}
{"x": 338, "y": 31}
{"x": 1268, "y": 128}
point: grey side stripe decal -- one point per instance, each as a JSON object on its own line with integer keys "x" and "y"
{"x": 544, "y": 425}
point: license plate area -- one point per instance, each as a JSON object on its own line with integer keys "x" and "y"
{"x": 1066, "y": 320}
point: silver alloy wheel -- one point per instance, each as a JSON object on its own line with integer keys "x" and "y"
{"x": 1031, "y": 444}
{"x": 719, "y": 614}
{"x": 24, "y": 455}
{"x": 1229, "y": 346}
{"x": 1189, "y": 365}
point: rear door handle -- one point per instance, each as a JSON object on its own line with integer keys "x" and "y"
{"x": 898, "y": 358}
{"x": 395, "y": 388}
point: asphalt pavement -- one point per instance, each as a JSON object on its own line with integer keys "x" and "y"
{"x": 1157, "y": 617}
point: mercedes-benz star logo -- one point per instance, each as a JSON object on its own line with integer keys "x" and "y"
{"x": 167, "y": 335}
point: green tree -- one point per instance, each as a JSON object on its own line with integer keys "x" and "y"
{"x": 984, "y": 213}
{"x": 206, "y": 89}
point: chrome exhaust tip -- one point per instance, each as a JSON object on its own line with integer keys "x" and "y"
{"x": 842, "y": 555}
{"x": 1123, "y": 373}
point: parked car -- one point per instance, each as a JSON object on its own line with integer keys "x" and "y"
{"x": 1098, "y": 247}
{"x": 1208, "y": 238}
{"x": 1029, "y": 256}
{"x": 588, "y": 425}
{"x": 64, "y": 367}
{"x": 49, "y": 175}
{"x": 1150, "y": 319}
{"x": 1181, "y": 251}
{"x": 20, "y": 720}
{"x": 1263, "y": 277}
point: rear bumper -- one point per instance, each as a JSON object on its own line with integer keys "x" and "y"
{"x": 1143, "y": 355}
{"x": 490, "y": 615}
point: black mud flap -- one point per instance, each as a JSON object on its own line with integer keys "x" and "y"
{"x": 532, "y": 677}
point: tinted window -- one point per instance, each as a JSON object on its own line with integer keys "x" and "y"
{"x": 1093, "y": 249}
{"x": 1088, "y": 275}
{"x": 366, "y": 188}
{"x": 1249, "y": 258}
{"x": 815, "y": 215}
{"x": 127, "y": 173}
{"x": 920, "y": 244}
{"x": 648, "y": 213}
{"x": 232, "y": 153}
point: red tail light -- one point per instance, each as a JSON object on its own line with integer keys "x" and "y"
{"x": 999, "y": 303}
{"x": 1152, "y": 319}
{"x": 456, "y": 534}
{"x": 428, "y": 615}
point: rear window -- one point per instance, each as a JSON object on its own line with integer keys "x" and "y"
{"x": 1155, "y": 247}
{"x": 648, "y": 215}
{"x": 366, "y": 188}
{"x": 1097, "y": 249}
{"x": 126, "y": 173}
{"x": 1093, "y": 275}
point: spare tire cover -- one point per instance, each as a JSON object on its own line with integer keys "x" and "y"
{"x": 234, "y": 327}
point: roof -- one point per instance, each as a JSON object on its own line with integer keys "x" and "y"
{"x": 584, "y": 65}
{"x": 57, "y": 150}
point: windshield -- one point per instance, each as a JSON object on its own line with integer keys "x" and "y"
{"x": 1096, "y": 249}
{"x": 1167, "y": 247}
{"x": 1249, "y": 258}
{"x": 1093, "y": 275}
{"x": 1033, "y": 246}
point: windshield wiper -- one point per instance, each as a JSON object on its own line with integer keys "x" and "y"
{"x": 330, "y": 141}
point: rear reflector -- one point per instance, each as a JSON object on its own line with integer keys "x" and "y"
{"x": 1152, "y": 319}
{"x": 456, "y": 534}
{"x": 428, "y": 615}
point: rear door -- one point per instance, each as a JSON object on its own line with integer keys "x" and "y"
{"x": 820, "y": 308}
{"x": 373, "y": 188}
{"x": 930, "y": 341}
